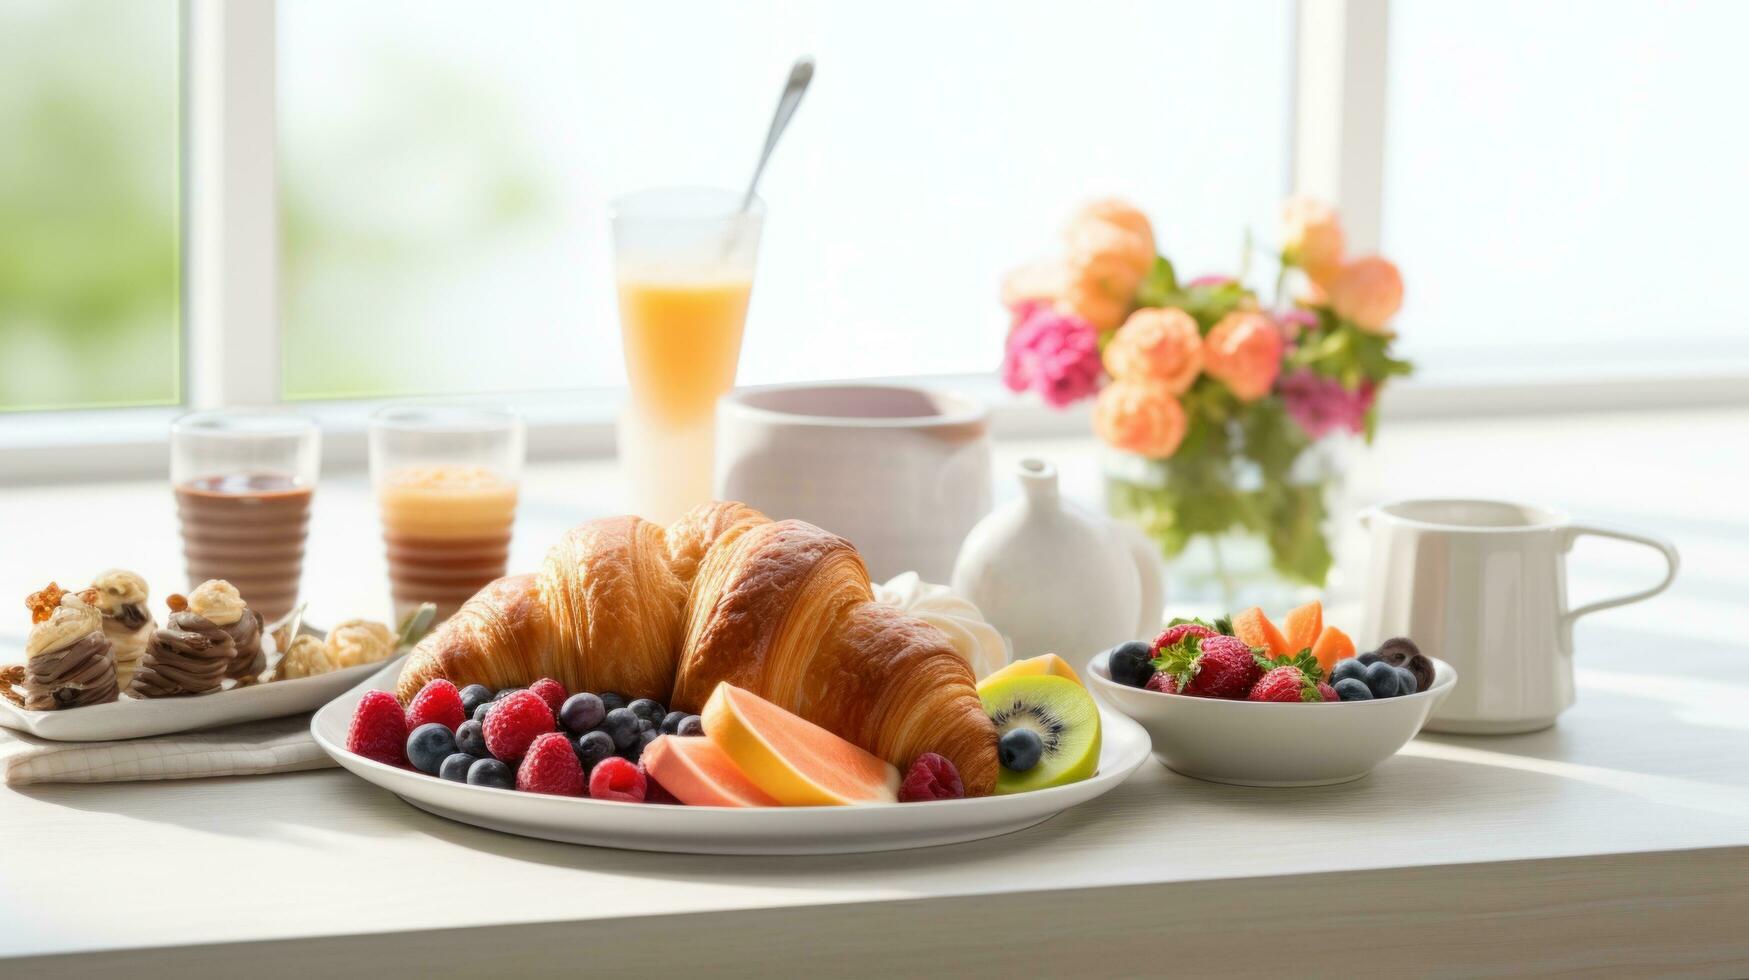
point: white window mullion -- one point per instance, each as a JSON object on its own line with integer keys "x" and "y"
{"x": 1339, "y": 111}
{"x": 231, "y": 238}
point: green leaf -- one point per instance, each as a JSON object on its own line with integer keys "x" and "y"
{"x": 1160, "y": 284}
{"x": 1181, "y": 660}
{"x": 1307, "y": 664}
{"x": 1224, "y": 625}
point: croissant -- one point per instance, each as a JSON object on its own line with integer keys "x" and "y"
{"x": 780, "y": 608}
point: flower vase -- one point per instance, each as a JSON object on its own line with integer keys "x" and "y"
{"x": 1232, "y": 537}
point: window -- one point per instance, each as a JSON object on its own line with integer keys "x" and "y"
{"x": 88, "y": 204}
{"x": 1565, "y": 184}
{"x": 445, "y": 175}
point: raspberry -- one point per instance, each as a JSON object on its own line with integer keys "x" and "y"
{"x": 550, "y": 767}
{"x": 550, "y": 691}
{"x": 617, "y": 779}
{"x": 931, "y": 777}
{"x": 1163, "y": 683}
{"x": 437, "y": 701}
{"x": 514, "y": 722}
{"x": 655, "y": 792}
{"x": 1173, "y": 635}
{"x": 379, "y": 729}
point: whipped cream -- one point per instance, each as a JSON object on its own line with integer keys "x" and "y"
{"x": 217, "y": 601}
{"x": 119, "y": 587}
{"x": 306, "y": 657}
{"x": 975, "y": 640}
{"x": 359, "y": 641}
{"x": 72, "y": 619}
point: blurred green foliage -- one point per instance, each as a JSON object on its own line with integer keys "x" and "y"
{"x": 88, "y": 203}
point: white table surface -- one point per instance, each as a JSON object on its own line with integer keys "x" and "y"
{"x": 1617, "y": 842}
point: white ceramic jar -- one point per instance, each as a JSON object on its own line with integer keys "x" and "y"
{"x": 1055, "y": 578}
{"x": 902, "y": 473}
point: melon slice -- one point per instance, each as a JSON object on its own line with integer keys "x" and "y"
{"x": 1332, "y": 645}
{"x": 793, "y": 760}
{"x": 699, "y": 773}
{"x": 1302, "y": 626}
{"x": 1257, "y": 631}
{"x": 1048, "y": 664}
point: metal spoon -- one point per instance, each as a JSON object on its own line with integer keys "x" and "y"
{"x": 800, "y": 74}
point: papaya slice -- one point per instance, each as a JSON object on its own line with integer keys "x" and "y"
{"x": 1257, "y": 631}
{"x": 1332, "y": 645}
{"x": 1303, "y": 626}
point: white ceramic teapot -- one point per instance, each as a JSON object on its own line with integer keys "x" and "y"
{"x": 1057, "y": 579}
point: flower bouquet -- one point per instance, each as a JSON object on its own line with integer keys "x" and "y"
{"x": 1213, "y": 398}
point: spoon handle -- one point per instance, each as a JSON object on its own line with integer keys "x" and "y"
{"x": 800, "y": 74}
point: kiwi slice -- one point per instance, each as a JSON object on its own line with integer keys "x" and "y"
{"x": 1063, "y": 714}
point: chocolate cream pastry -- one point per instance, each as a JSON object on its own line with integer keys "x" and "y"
{"x": 189, "y": 655}
{"x": 121, "y": 598}
{"x": 219, "y": 602}
{"x": 69, "y": 662}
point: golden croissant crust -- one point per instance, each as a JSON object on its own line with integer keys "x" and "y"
{"x": 781, "y": 608}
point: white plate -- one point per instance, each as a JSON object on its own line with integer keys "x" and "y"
{"x": 727, "y": 830}
{"x": 140, "y": 717}
{"x": 1264, "y": 744}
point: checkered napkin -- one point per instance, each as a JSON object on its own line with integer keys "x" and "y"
{"x": 252, "y": 748}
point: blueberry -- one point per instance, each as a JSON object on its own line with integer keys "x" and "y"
{"x": 612, "y": 700}
{"x": 491, "y": 772}
{"x": 482, "y": 711}
{"x": 622, "y": 726}
{"x": 473, "y": 696}
{"x": 1406, "y": 682}
{"x": 1019, "y": 749}
{"x": 429, "y": 745}
{"x": 690, "y": 726}
{"x": 1131, "y": 663}
{"x": 470, "y": 737}
{"x": 1345, "y": 669}
{"x": 648, "y": 709}
{"x": 1381, "y": 679}
{"x": 1368, "y": 658}
{"x": 1352, "y": 689}
{"x": 505, "y": 692}
{"x": 455, "y": 766}
{"x": 635, "y": 751}
{"x": 581, "y": 712}
{"x": 671, "y": 722}
{"x": 592, "y": 747}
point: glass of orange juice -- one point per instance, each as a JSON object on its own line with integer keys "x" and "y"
{"x": 446, "y": 480}
{"x": 684, "y": 260}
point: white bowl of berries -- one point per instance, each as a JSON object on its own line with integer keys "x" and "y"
{"x": 1220, "y": 709}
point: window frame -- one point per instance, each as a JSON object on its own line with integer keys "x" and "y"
{"x": 230, "y": 268}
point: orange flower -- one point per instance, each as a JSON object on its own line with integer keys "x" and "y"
{"x": 1035, "y": 281}
{"x": 1120, "y": 214}
{"x": 1243, "y": 351}
{"x": 1141, "y": 417}
{"x": 1367, "y": 293}
{"x": 1157, "y": 345}
{"x": 1311, "y": 238}
{"x": 1102, "y": 276}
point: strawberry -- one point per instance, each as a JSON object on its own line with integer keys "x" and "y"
{"x": 1163, "y": 683}
{"x": 550, "y": 691}
{"x": 1286, "y": 683}
{"x": 550, "y": 766}
{"x": 513, "y": 724}
{"x": 1327, "y": 692}
{"x": 437, "y": 701}
{"x": 379, "y": 729}
{"x": 1173, "y": 634}
{"x": 1217, "y": 666}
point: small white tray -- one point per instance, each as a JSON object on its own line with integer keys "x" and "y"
{"x": 728, "y": 830}
{"x": 140, "y": 717}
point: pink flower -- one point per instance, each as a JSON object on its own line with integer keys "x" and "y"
{"x": 1209, "y": 281}
{"x": 1161, "y": 345}
{"x": 1367, "y": 293}
{"x": 1243, "y": 351}
{"x": 1321, "y": 405}
{"x": 1055, "y": 354}
{"x": 1295, "y": 322}
{"x": 1141, "y": 417}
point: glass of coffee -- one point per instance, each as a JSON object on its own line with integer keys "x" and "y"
{"x": 446, "y": 480}
{"x": 243, "y": 481}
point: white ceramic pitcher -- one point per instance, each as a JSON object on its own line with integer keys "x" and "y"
{"x": 1482, "y": 584}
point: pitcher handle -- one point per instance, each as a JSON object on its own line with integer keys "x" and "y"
{"x": 1150, "y": 572}
{"x": 1672, "y": 561}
